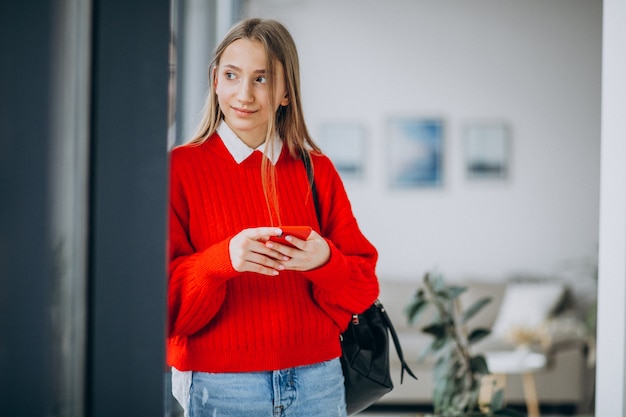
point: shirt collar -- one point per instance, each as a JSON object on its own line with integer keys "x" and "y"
{"x": 240, "y": 151}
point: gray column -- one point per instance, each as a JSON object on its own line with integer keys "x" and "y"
{"x": 128, "y": 198}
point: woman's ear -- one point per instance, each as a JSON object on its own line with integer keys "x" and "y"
{"x": 214, "y": 77}
{"x": 285, "y": 100}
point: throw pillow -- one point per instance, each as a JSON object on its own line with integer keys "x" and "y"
{"x": 526, "y": 306}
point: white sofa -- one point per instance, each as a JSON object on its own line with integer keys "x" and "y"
{"x": 563, "y": 382}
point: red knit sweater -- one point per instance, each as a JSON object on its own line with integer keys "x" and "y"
{"x": 221, "y": 320}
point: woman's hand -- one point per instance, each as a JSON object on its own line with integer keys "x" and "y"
{"x": 249, "y": 251}
{"x": 306, "y": 255}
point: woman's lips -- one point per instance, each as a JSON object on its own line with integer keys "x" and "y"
{"x": 243, "y": 112}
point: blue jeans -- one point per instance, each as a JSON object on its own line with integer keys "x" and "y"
{"x": 306, "y": 391}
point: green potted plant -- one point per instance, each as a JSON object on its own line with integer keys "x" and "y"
{"x": 457, "y": 373}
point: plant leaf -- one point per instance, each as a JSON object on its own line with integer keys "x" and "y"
{"x": 436, "y": 281}
{"x": 437, "y": 330}
{"x": 453, "y": 291}
{"x": 449, "y": 293}
{"x": 497, "y": 400}
{"x": 478, "y": 364}
{"x": 477, "y": 334}
{"x": 475, "y": 308}
{"x": 414, "y": 310}
{"x": 439, "y": 343}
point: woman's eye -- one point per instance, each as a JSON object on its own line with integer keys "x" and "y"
{"x": 261, "y": 80}
{"x": 230, "y": 76}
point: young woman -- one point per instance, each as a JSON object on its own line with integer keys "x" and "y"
{"x": 254, "y": 325}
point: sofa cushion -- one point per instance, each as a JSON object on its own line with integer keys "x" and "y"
{"x": 526, "y": 305}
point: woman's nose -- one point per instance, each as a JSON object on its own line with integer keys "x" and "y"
{"x": 244, "y": 94}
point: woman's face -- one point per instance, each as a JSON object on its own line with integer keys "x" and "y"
{"x": 241, "y": 85}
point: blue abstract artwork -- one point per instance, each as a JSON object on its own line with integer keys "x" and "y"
{"x": 416, "y": 152}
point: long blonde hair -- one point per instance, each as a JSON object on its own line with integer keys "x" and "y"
{"x": 289, "y": 120}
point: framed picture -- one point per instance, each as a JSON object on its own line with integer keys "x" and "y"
{"x": 487, "y": 147}
{"x": 416, "y": 152}
{"x": 345, "y": 146}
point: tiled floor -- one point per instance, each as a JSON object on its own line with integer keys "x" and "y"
{"x": 417, "y": 414}
{"x": 398, "y": 412}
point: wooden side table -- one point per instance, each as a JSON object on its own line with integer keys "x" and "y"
{"x": 521, "y": 362}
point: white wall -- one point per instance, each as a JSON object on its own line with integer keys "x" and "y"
{"x": 533, "y": 64}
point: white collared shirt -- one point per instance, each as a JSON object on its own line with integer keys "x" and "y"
{"x": 240, "y": 151}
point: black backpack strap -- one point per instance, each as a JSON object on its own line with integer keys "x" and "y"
{"x": 396, "y": 342}
{"x": 306, "y": 159}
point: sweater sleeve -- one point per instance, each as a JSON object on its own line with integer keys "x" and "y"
{"x": 347, "y": 283}
{"x": 197, "y": 279}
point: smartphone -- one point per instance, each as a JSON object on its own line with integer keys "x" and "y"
{"x": 301, "y": 232}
